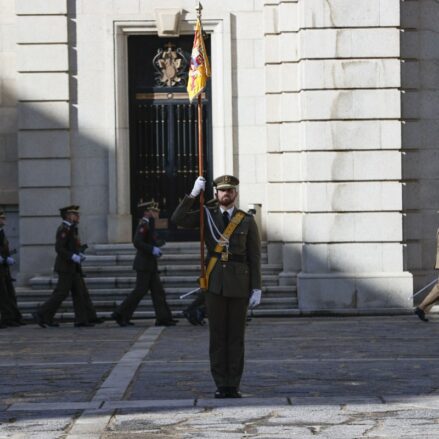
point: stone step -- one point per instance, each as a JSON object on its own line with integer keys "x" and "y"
{"x": 170, "y": 247}
{"x": 24, "y": 293}
{"x": 175, "y": 270}
{"x": 146, "y": 304}
{"x": 166, "y": 259}
{"x": 41, "y": 282}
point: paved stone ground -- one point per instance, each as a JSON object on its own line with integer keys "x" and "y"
{"x": 350, "y": 377}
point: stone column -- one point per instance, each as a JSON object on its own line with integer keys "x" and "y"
{"x": 43, "y": 128}
{"x": 350, "y": 137}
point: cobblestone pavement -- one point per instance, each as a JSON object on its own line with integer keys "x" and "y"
{"x": 350, "y": 377}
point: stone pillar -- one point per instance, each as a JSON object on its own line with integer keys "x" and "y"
{"x": 349, "y": 131}
{"x": 43, "y": 128}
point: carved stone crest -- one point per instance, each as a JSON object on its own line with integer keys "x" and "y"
{"x": 170, "y": 65}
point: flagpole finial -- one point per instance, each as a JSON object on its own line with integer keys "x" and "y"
{"x": 199, "y": 9}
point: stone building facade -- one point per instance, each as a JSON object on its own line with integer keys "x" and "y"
{"x": 325, "y": 109}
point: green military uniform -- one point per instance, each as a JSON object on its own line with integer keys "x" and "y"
{"x": 70, "y": 278}
{"x": 10, "y": 315}
{"x": 229, "y": 288}
{"x": 147, "y": 278}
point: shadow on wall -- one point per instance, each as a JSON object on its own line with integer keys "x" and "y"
{"x": 420, "y": 136}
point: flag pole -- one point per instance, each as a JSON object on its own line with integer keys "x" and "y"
{"x": 201, "y": 174}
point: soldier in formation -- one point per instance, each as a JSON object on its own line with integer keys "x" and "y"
{"x": 69, "y": 257}
{"x": 233, "y": 277}
{"x": 145, "y": 264}
{"x": 9, "y": 313}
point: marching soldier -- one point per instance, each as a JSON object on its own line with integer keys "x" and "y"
{"x": 233, "y": 278}
{"x": 69, "y": 256}
{"x": 10, "y": 315}
{"x": 147, "y": 274}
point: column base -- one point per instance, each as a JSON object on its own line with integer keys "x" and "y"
{"x": 354, "y": 291}
{"x": 119, "y": 229}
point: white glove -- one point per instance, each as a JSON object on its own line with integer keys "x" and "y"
{"x": 1, "y": 260}
{"x": 156, "y": 252}
{"x": 10, "y": 261}
{"x": 255, "y": 298}
{"x": 199, "y": 185}
{"x": 82, "y": 256}
{"x": 76, "y": 258}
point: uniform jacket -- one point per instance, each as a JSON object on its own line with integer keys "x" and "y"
{"x": 144, "y": 241}
{"x": 4, "y": 253}
{"x": 67, "y": 243}
{"x": 231, "y": 278}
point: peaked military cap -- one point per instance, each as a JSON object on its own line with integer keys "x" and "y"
{"x": 148, "y": 205}
{"x": 69, "y": 209}
{"x": 2, "y": 214}
{"x": 226, "y": 182}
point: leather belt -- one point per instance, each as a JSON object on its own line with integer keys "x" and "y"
{"x": 230, "y": 257}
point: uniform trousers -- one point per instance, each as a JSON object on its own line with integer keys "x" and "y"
{"x": 145, "y": 281}
{"x": 227, "y": 320}
{"x": 431, "y": 298}
{"x": 66, "y": 282}
{"x": 8, "y": 300}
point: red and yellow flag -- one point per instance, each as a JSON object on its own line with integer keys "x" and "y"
{"x": 199, "y": 68}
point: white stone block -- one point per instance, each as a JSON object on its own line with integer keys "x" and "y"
{"x": 39, "y": 230}
{"x": 273, "y": 105}
{"x": 292, "y": 257}
{"x": 42, "y": 29}
{"x": 420, "y": 164}
{"x": 348, "y": 291}
{"x": 291, "y": 107}
{"x": 284, "y": 197}
{"x": 244, "y": 53}
{"x": 43, "y": 86}
{"x": 349, "y": 43}
{"x": 352, "y": 134}
{"x": 8, "y": 63}
{"x": 36, "y": 259}
{"x": 350, "y": 13}
{"x": 93, "y": 202}
{"x": 289, "y": 47}
{"x": 353, "y": 196}
{"x": 8, "y": 119}
{"x": 329, "y": 166}
{"x": 273, "y": 136}
{"x": 251, "y": 140}
{"x": 259, "y": 52}
{"x": 420, "y": 193}
{"x": 290, "y": 77}
{"x": 42, "y": 57}
{"x": 273, "y": 78}
{"x": 274, "y": 168}
{"x": 35, "y": 173}
{"x": 43, "y": 115}
{"x": 357, "y": 73}
{"x": 271, "y": 20}
{"x": 43, "y": 201}
{"x": 249, "y": 25}
{"x": 351, "y": 104}
{"x": 246, "y": 113}
{"x": 284, "y": 227}
{"x": 288, "y": 17}
{"x": 126, "y": 6}
{"x": 250, "y": 82}
{"x": 291, "y": 137}
{"x": 352, "y": 227}
{"x": 272, "y": 50}
{"x": 43, "y": 144}
{"x": 40, "y": 7}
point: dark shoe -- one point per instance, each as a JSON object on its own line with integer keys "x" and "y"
{"x": 421, "y": 314}
{"x": 166, "y": 322}
{"x": 83, "y": 325}
{"x": 119, "y": 320}
{"x": 233, "y": 392}
{"x": 53, "y": 324}
{"x": 129, "y": 323}
{"x": 21, "y": 322}
{"x": 220, "y": 393}
{"x": 38, "y": 320}
{"x": 98, "y": 320}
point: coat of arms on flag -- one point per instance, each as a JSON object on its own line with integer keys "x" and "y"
{"x": 199, "y": 68}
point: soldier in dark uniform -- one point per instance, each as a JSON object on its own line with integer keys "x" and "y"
{"x": 70, "y": 276}
{"x": 10, "y": 315}
{"x": 234, "y": 282}
{"x": 147, "y": 274}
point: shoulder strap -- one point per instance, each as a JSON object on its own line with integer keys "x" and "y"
{"x": 235, "y": 221}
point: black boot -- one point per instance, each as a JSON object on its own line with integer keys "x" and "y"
{"x": 421, "y": 314}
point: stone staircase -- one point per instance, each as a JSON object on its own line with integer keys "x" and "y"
{"x": 110, "y": 278}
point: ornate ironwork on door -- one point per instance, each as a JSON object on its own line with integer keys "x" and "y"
{"x": 164, "y": 129}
